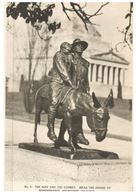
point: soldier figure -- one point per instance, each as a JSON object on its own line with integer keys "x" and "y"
{"x": 60, "y": 76}
{"x": 80, "y": 80}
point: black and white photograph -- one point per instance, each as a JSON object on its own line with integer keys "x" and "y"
{"x": 68, "y": 85}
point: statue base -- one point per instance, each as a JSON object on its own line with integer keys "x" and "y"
{"x": 64, "y": 152}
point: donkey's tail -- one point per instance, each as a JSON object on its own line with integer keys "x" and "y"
{"x": 38, "y": 92}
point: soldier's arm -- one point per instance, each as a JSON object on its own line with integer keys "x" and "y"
{"x": 87, "y": 79}
{"x": 62, "y": 70}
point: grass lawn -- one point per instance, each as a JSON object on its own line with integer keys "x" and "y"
{"x": 15, "y": 108}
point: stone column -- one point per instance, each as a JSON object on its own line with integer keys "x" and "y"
{"x": 111, "y": 76}
{"x": 91, "y": 72}
{"x": 99, "y": 73}
{"x": 116, "y": 77}
{"x": 122, "y": 77}
{"x": 105, "y": 75}
{"x": 94, "y": 73}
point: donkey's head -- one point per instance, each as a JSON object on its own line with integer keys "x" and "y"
{"x": 98, "y": 119}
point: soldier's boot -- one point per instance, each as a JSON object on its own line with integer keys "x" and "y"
{"x": 81, "y": 138}
{"x": 80, "y": 135}
{"x": 51, "y": 134}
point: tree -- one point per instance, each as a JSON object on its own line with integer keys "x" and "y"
{"x": 37, "y": 50}
{"x": 7, "y": 82}
{"x": 32, "y": 51}
{"x": 119, "y": 95}
{"x": 111, "y": 102}
{"x": 127, "y": 31}
{"x": 39, "y": 14}
{"x": 21, "y": 83}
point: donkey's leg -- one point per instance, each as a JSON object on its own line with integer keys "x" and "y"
{"x": 35, "y": 134}
{"x": 61, "y": 140}
{"x": 37, "y": 120}
{"x": 74, "y": 125}
{"x": 68, "y": 121}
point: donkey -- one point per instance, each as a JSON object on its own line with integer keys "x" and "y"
{"x": 74, "y": 103}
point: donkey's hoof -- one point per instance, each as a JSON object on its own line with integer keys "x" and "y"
{"x": 73, "y": 149}
{"x": 35, "y": 140}
{"x": 82, "y": 140}
{"x": 52, "y": 136}
{"x": 62, "y": 142}
{"x": 56, "y": 144}
{"x": 77, "y": 146}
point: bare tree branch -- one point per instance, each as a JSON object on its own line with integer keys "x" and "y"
{"x": 127, "y": 31}
{"x": 65, "y": 9}
{"x": 129, "y": 15}
{"x": 81, "y": 14}
{"x": 33, "y": 12}
{"x": 97, "y": 12}
{"x": 84, "y": 6}
{"x": 10, "y": 29}
{"x": 122, "y": 45}
{"x": 76, "y": 8}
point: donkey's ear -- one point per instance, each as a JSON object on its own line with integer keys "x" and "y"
{"x": 109, "y": 101}
{"x": 95, "y": 100}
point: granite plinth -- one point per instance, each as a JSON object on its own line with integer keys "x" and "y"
{"x": 104, "y": 169}
{"x": 64, "y": 152}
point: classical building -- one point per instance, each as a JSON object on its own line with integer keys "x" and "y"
{"x": 107, "y": 71}
{"x": 108, "y": 68}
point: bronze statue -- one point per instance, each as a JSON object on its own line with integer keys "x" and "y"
{"x": 75, "y": 103}
{"x": 79, "y": 76}
{"x": 68, "y": 98}
{"x": 80, "y": 79}
{"x": 60, "y": 77}
{"x": 80, "y": 66}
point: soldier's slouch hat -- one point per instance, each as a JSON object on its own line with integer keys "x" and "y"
{"x": 78, "y": 41}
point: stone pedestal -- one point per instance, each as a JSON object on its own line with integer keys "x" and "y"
{"x": 64, "y": 152}
{"x": 101, "y": 167}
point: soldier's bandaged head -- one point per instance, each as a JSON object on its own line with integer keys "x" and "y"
{"x": 66, "y": 45}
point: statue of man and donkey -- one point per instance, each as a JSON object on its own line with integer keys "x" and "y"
{"x": 67, "y": 97}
